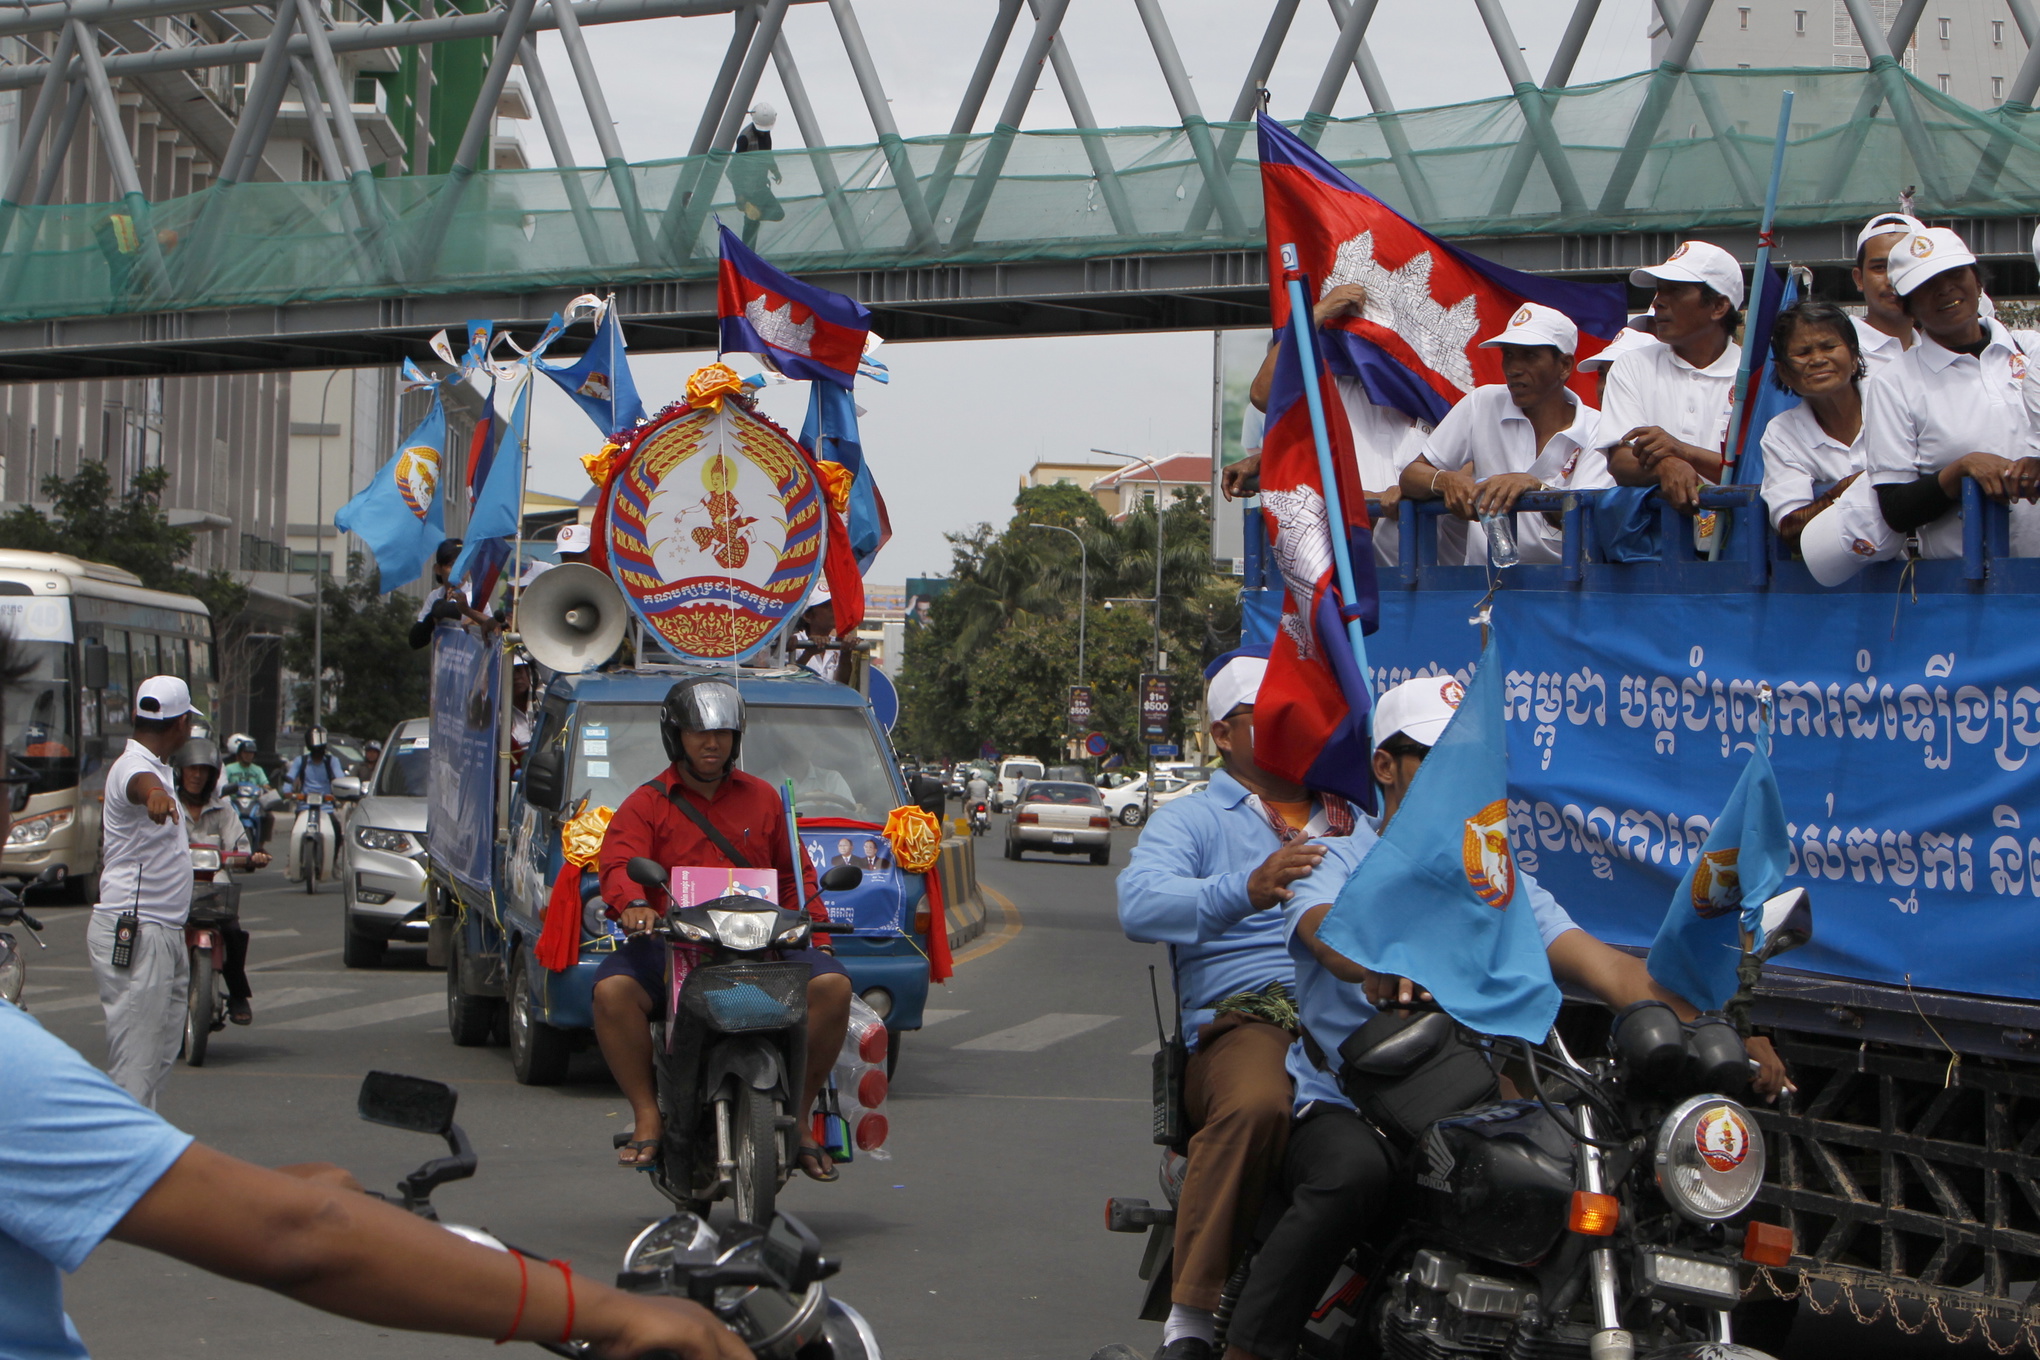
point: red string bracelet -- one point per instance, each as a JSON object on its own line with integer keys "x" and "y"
{"x": 523, "y": 1288}
{"x": 566, "y": 1273}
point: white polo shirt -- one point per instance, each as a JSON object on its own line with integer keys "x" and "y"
{"x": 1488, "y": 435}
{"x": 1384, "y": 439}
{"x": 135, "y": 850}
{"x": 1932, "y": 406}
{"x": 1878, "y": 348}
{"x": 1654, "y": 386}
{"x": 1801, "y": 461}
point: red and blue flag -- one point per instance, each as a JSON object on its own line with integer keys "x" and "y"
{"x": 808, "y": 333}
{"x": 1415, "y": 345}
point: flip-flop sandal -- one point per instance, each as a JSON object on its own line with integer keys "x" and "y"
{"x": 636, "y": 1147}
{"x": 240, "y": 1013}
{"x": 813, "y": 1156}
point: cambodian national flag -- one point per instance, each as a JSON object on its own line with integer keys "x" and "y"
{"x": 1415, "y": 346}
{"x": 1310, "y": 719}
{"x": 809, "y": 332}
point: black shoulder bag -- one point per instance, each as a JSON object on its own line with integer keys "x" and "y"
{"x": 1407, "y": 1071}
{"x": 693, "y": 814}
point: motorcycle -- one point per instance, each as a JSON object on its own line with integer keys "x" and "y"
{"x": 214, "y": 907}
{"x": 246, "y": 800}
{"x": 13, "y": 964}
{"x": 764, "y": 1283}
{"x": 315, "y": 835}
{"x": 731, "y": 1051}
{"x": 980, "y": 817}
{"x": 1593, "y": 1219}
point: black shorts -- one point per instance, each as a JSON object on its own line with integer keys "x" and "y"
{"x": 643, "y": 960}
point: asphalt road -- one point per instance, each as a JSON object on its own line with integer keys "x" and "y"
{"x": 1014, "y": 1114}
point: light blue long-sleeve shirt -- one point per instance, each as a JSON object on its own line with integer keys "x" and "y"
{"x": 1332, "y": 1010}
{"x": 1186, "y": 886}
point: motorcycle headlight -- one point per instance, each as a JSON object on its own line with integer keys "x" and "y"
{"x": 743, "y": 929}
{"x": 375, "y": 838}
{"x": 1710, "y": 1158}
{"x": 38, "y": 830}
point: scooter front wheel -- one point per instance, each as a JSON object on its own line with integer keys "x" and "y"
{"x": 754, "y": 1139}
{"x": 198, "y": 1008}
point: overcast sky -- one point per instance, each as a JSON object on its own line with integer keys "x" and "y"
{"x": 963, "y": 420}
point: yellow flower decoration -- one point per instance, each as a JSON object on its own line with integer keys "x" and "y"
{"x": 581, "y": 837}
{"x": 836, "y": 481}
{"x": 916, "y": 838}
{"x": 600, "y": 463}
{"x": 706, "y": 387}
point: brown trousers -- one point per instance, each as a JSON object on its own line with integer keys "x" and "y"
{"x": 1238, "y": 1098}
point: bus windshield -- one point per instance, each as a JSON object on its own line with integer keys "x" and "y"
{"x": 42, "y": 732}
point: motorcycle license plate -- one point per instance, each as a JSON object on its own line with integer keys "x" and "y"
{"x": 1063, "y": 838}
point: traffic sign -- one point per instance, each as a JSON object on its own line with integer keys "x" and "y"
{"x": 1167, "y": 751}
{"x": 1096, "y": 744}
{"x": 885, "y": 699}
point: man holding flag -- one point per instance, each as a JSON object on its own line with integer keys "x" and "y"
{"x": 1432, "y": 892}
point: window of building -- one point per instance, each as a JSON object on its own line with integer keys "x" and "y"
{"x": 1742, "y": 17}
{"x": 1947, "y": 25}
{"x": 1997, "y": 88}
{"x": 1997, "y": 33}
{"x": 305, "y": 564}
{"x": 1799, "y": 22}
{"x": 1943, "y": 81}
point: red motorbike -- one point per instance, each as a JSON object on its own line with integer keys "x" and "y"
{"x": 214, "y": 908}
{"x": 980, "y": 817}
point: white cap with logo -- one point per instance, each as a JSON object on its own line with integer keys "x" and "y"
{"x": 1848, "y": 536}
{"x": 1235, "y": 681}
{"x": 1924, "y": 254}
{"x": 574, "y": 538}
{"x": 1638, "y": 334}
{"x": 163, "y": 696}
{"x": 1535, "y": 324}
{"x": 1418, "y": 709}
{"x": 1696, "y": 262}
{"x": 1886, "y": 224}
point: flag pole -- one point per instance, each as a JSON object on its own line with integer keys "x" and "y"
{"x": 1738, "y": 407}
{"x": 1306, "y": 350}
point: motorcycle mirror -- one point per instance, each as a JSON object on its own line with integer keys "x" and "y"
{"x": 646, "y": 873}
{"x": 412, "y": 1103}
{"x": 56, "y": 873}
{"x": 793, "y": 1254}
{"x": 1786, "y": 923}
{"x": 842, "y": 878}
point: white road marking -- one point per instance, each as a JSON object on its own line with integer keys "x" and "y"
{"x": 1038, "y": 1033}
{"x": 270, "y": 934}
{"x": 933, "y": 1016}
{"x": 381, "y": 1012}
{"x": 1147, "y": 1050}
{"x": 69, "y": 1003}
{"x": 299, "y": 996}
{"x": 294, "y": 958}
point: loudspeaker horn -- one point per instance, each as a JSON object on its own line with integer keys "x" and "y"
{"x": 572, "y": 618}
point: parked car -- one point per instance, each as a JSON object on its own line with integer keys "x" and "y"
{"x": 381, "y": 866}
{"x": 1128, "y": 802}
{"x": 1013, "y": 772}
{"x": 1063, "y": 818}
{"x": 1073, "y": 774}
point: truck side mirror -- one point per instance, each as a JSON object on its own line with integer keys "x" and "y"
{"x": 545, "y": 779}
{"x": 93, "y": 664}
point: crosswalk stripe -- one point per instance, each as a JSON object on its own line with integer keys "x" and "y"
{"x": 69, "y": 1003}
{"x": 277, "y": 934}
{"x": 1038, "y": 1033}
{"x": 300, "y": 996}
{"x": 381, "y": 1012}
{"x": 294, "y": 958}
{"x": 1147, "y": 1050}
{"x": 935, "y": 1016}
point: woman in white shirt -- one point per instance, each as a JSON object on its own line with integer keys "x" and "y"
{"x": 1813, "y": 451}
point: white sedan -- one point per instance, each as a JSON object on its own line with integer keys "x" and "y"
{"x": 1128, "y": 802}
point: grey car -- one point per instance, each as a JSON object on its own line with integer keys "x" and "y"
{"x": 382, "y": 865}
{"x": 1061, "y": 817}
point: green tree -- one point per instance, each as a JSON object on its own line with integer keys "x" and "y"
{"x": 88, "y": 520}
{"x": 374, "y": 680}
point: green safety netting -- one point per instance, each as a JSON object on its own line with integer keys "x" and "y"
{"x": 1660, "y": 151}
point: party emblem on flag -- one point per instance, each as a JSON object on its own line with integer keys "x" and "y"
{"x": 1490, "y": 868}
{"x": 714, "y": 529}
{"x": 417, "y": 473}
{"x": 1717, "y": 886}
{"x": 595, "y": 387}
{"x": 1722, "y": 1138}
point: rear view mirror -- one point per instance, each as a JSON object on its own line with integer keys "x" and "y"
{"x": 347, "y": 786}
{"x": 412, "y": 1103}
{"x": 545, "y": 777}
{"x": 1787, "y": 923}
{"x": 793, "y": 1254}
{"x": 646, "y": 873}
{"x": 92, "y": 664}
{"x": 842, "y": 878}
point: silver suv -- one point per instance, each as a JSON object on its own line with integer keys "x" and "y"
{"x": 382, "y": 866}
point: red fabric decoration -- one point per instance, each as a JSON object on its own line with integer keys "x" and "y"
{"x": 560, "y": 943}
{"x": 846, "y": 583}
{"x": 940, "y": 965}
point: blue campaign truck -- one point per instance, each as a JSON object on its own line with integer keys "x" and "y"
{"x": 490, "y": 892}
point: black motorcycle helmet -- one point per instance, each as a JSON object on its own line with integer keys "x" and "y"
{"x": 315, "y": 741}
{"x": 197, "y": 751}
{"x": 701, "y": 703}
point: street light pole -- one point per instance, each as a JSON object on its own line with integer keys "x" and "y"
{"x": 1083, "y": 587}
{"x": 319, "y": 572}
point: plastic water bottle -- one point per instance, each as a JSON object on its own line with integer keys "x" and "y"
{"x": 1501, "y": 540}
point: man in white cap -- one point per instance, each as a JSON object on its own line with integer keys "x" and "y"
{"x": 817, "y": 636}
{"x": 1665, "y": 413}
{"x": 1338, "y": 1168}
{"x": 1955, "y": 405}
{"x": 1885, "y": 331}
{"x": 1638, "y": 334}
{"x": 1208, "y": 879}
{"x": 1525, "y": 433}
{"x": 136, "y": 937}
{"x": 571, "y": 544}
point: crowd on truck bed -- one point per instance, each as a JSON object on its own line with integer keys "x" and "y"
{"x": 1896, "y": 408}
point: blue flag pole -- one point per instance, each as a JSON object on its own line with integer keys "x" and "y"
{"x": 1342, "y": 559}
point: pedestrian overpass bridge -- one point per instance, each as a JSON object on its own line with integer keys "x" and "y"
{"x": 995, "y": 234}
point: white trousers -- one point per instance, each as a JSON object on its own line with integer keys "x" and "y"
{"x": 144, "y": 1003}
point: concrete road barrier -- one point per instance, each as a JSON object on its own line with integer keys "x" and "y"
{"x": 963, "y": 903}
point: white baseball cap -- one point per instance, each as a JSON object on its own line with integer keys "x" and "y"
{"x": 1636, "y": 335}
{"x": 574, "y": 538}
{"x": 1924, "y": 254}
{"x": 163, "y": 696}
{"x": 1886, "y": 224}
{"x": 763, "y": 115}
{"x": 1418, "y": 709}
{"x": 1535, "y": 324}
{"x": 1233, "y": 680}
{"x": 1848, "y": 536}
{"x": 1696, "y": 262}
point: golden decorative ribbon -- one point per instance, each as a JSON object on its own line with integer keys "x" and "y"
{"x": 836, "y": 481}
{"x": 706, "y": 387}
{"x": 598, "y": 464}
{"x": 581, "y": 837}
{"x": 916, "y": 838}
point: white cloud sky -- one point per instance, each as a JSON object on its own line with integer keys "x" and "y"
{"x": 962, "y": 420}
